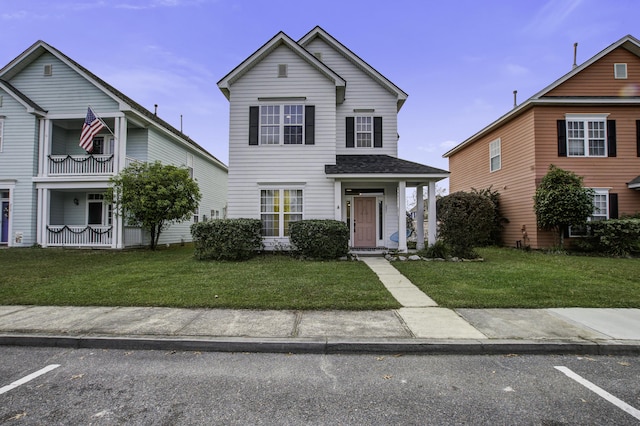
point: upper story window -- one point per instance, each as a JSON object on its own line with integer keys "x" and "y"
{"x": 586, "y": 136}
{"x": 284, "y": 124}
{"x": 102, "y": 145}
{"x": 620, "y": 71}
{"x": 364, "y": 132}
{"x": 495, "y": 155}
{"x": 190, "y": 165}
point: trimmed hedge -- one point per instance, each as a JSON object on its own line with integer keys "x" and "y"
{"x": 227, "y": 239}
{"x": 617, "y": 237}
{"x": 320, "y": 239}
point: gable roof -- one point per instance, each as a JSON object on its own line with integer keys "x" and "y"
{"x": 628, "y": 42}
{"x": 281, "y": 39}
{"x": 30, "y": 105}
{"x": 318, "y": 32}
{"x": 353, "y": 165}
{"x": 126, "y": 103}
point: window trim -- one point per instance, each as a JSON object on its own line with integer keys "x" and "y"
{"x": 604, "y": 215}
{"x": 369, "y": 132}
{"x": 619, "y": 67}
{"x": 282, "y": 229}
{"x": 585, "y": 119}
{"x": 493, "y": 154}
{"x": 281, "y": 123}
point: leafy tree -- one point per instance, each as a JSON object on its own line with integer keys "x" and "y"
{"x": 466, "y": 220}
{"x": 153, "y": 196}
{"x": 561, "y": 201}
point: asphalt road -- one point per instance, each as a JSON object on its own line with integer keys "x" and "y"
{"x": 110, "y": 387}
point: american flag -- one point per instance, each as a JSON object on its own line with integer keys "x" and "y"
{"x": 92, "y": 125}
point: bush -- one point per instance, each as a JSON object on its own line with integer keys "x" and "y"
{"x": 437, "y": 250}
{"x": 227, "y": 239}
{"x": 495, "y": 236}
{"x": 320, "y": 239}
{"x": 466, "y": 221}
{"x": 617, "y": 237}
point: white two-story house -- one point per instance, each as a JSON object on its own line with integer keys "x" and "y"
{"x": 51, "y": 189}
{"x": 313, "y": 134}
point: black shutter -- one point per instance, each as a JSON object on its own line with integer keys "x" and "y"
{"x": 377, "y": 132}
{"x": 309, "y": 125}
{"x": 562, "y": 138}
{"x": 613, "y": 206}
{"x": 638, "y": 138}
{"x": 350, "y": 132}
{"x": 254, "y": 119}
{"x": 611, "y": 138}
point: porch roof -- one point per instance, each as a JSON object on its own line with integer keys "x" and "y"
{"x": 383, "y": 165}
{"x": 634, "y": 184}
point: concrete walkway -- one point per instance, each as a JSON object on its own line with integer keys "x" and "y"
{"x": 420, "y": 326}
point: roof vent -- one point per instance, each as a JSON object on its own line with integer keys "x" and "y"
{"x": 282, "y": 70}
{"x": 575, "y": 54}
{"x": 620, "y": 71}
{"x": 515, "y": 98}
{"x": 48, "y": 70}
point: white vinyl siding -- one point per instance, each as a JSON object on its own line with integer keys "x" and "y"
{"x": 1, "y": 132}
{"x": 362, "y": 92}
{"x": 495, "y": 155}
{"x": 298, "y": 163}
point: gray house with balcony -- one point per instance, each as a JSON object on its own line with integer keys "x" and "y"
{"x": 51, "y": 189}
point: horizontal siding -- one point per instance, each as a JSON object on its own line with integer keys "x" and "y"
{"x": 514, "y": 181}
{"x": 598, "y": 78}
{"x": 362, "y": 93}
{"x": 137, "y": 143}
{"x": 18, "y": 161}
{"x": 64, "y": 92}
{"x": 250, "y": 165}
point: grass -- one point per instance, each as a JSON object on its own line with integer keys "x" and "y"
{"x": 510, "y": 278}
{"x": 173, "y": 278}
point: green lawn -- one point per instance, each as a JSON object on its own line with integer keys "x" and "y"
{"x": 510, "y": 278}
{"x": 172, "y": 277}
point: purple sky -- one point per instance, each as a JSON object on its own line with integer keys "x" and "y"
{"x": 459, "y": 60}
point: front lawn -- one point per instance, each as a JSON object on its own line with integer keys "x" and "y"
{"x": 510, "y": 278}
{"x": 172, "y": 277}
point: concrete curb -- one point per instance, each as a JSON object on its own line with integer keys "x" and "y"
{"x": 329, "y": 345}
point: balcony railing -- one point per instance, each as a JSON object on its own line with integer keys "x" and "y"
{"x": 78, "y": 236}
{"x": 80, "y": 164}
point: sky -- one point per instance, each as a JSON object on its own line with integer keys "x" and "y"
{"x": 459, "y": 60}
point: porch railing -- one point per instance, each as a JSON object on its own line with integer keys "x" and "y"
{"x": 77, "y": 236}
{"x": 80, "y": 164}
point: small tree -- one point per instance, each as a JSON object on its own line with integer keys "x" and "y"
{"x": 561, "y": 201}
{"x": 153, "y": 196}
{"x": 466, "y": 220}
{"x": 495, "y": 236}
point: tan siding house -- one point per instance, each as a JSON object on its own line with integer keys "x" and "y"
{"x": 588, "y": 121}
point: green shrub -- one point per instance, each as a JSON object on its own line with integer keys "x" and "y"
{"x": 320, "y": 239}
{"x": 495, "y": 235}
{"x": 437, "y": 250}
{"x": 466, "y": 220}
{"x": 227, "y": 239}
{"x": 617, "y": 237}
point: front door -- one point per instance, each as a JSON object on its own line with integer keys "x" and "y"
{"x": 4, "y": 230}
{"x": 364, "y": 222}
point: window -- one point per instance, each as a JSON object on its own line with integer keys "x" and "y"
{"x": 190, "y": 165}
{"x": 600, "y": 212}
{"x": 586, "y": 137}
{"x": 620, "y": 71}
{"x": 196, "y": 214}
{"x": 281, "y": 124}
{"x": 278, "y": 208}
{"x": 495, "y": 157}
{"x": 364, "y": 132}
{"x": 101, "y": 147}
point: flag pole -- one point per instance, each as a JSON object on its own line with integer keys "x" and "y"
{"x": 103, "y": 123}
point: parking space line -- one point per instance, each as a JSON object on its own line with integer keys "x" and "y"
{"x": 28, "y": 378}
{"x": 601, "y": 392}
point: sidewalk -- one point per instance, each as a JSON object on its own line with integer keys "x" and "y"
{"x": 420, "y": 326}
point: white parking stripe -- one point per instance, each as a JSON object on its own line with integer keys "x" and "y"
{"x": 603, "y": 393}
{"x": 28, "y": 378}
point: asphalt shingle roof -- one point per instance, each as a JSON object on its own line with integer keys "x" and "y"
{"x": 378, "y": 164}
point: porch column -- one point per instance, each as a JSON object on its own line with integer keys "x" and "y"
{"x": 432, "y": 213}
{"x": 420, "y": 217}
{"x": 402, "y": 216}
{"x": 43, "y": 216}
{"x": 120, "y": 154}
{"x": 337, "y": 199}
{"x": 44, "y": 142}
